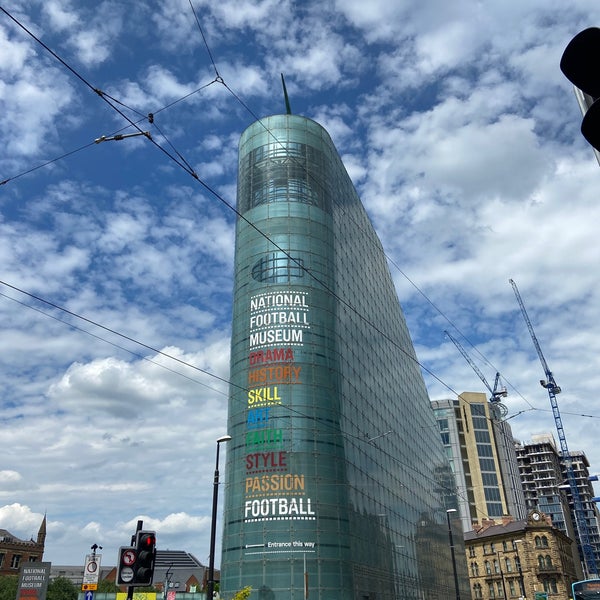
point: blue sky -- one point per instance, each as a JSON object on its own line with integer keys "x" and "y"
{"x": 459, "y": 131}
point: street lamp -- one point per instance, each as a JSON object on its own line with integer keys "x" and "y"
{"x": 501, "y": 574}
{"x": 210, "y": 584}
{"x": 521, "y": 583}
{"x": 456, "y": 588}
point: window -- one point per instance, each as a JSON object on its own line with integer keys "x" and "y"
{"x": 477, "y": 591}
{"x": 1, "y": 558}
{"x": 474, "y": 569}
{"x": 541, "y": 561}
{"x": 492, "y": 590}
{"x": 541, "y": 542}
{"x": 496, "y": 566}
{"x": 16, "y": 560}
{"x": 548, "y": 562}
{"x": 512, "y": 587}
{"x": 487, "y": 567}
{"x": 550, "y": 586}
{"x": 276, "y": 267}
{"x": 500, "y": 589}
{"x": 508, "y": 564}
{"x": 471, "y": 552}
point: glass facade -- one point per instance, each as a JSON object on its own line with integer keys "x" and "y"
{"x": 336, "y": 483}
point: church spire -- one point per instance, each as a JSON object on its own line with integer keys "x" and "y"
{"x": 41, "y": 536}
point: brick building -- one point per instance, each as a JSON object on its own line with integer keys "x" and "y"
{"x": 13, "y": 551}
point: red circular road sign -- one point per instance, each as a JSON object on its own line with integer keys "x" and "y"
{"x": 92, "y": 566}
{"x": 128, "y": 557}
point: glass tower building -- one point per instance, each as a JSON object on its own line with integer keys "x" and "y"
{"x": 337, "y": 486}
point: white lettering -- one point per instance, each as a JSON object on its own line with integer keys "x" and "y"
{"x": 269, "y": 509}
{"x": 273, "y": 336}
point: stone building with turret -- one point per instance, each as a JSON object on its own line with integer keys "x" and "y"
{"x": 14, "y": 551}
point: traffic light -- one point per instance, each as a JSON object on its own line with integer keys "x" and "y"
{"x": 145, "y": 545}
{"x": 580, "y": 63}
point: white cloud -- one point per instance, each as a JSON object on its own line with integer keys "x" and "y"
{"x": 454, "y": 121}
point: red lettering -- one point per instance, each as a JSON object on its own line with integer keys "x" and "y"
{"x": 266, "y": 460}
{"x": 271, "y": 355}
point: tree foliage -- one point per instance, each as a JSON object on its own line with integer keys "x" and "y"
{"x": 243, "y": 594}
{"x": 62, "y": 588}
{"x": 107, "y": 587}
{"x": 8, "y": 587}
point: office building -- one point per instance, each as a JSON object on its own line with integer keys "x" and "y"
{"x": 480, "y": 448}
{"x": 546, "y": 486}
{"x": 336, "y": 483}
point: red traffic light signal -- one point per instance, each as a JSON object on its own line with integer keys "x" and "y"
{"x": 580, "y": 64}
{"x": 145, "y": 545}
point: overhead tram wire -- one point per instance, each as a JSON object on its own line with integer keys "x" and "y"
{"x": 210, "y": 55}
{"x": 149, "y": 117}
{"x": 136, "y": 354}
{"x": 359, "y": 438}
{"x": 48, "y": 162}
{"x": 117, "y": 333}
{"x": 185, "y": 166}
{"x": 190, "y": 171}
{"x": 104, "y": 97}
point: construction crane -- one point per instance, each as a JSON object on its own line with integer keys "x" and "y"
{"x": 496, "y": 393}
{"x": 553, "y": 389}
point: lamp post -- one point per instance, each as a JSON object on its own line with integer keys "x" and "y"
{"x": 521, "y": 582}
{"x": 210, "y": 584}
{"x": 456, "y": 587}
{"x": 501, "y": 574}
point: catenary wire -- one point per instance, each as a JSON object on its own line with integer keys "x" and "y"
{"x": 136, "y": 354}
{"x": 193, "y": 174}
{"x": 117, "y": 333}
{"x": 183, "y": 164}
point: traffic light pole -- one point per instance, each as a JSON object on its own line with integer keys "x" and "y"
{"x": 130, "y": 588}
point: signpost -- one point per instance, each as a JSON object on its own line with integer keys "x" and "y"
{"x": 33, "y": 581}
{"x": 91, "y": 572}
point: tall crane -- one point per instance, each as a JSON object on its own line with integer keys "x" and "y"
{"x": 553, "y": 389}
{"x": 497, "y": 392}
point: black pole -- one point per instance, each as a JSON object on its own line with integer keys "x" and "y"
{"x": 521, "y": 583}
{"x": 210, "y": 584}
{"x": 501, "y": 574}
{"x": 139, "y": 526}
{"x": 456, "y": 586}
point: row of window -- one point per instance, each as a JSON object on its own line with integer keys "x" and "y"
{"x": 540, "y": 541}
{"x": 15, "y": 560}
{"x": 496, "y": 589}
{"x": 544, "y": 562}
{"x": 494, "y": 566}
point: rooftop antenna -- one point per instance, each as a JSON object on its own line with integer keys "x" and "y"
{"x": 288, "y": 109}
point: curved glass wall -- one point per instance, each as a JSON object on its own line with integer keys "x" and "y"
{"x": 336, "y": 481}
